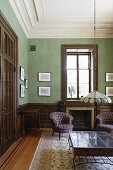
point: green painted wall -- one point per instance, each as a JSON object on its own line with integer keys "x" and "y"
{"x": 47, "y": 58}
{"x": 7, "y": 11}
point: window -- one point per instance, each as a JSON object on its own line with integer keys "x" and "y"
{"x": 79, "y": 71}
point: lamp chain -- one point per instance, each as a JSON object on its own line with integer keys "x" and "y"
{"x": 94, "y": 19}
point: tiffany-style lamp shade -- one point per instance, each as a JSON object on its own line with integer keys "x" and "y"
{"x": 96, "y": 97}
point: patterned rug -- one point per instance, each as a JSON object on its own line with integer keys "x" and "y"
{"x": 54, "y": 154}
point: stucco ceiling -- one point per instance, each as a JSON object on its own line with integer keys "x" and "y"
{"x": 65, "y": 18}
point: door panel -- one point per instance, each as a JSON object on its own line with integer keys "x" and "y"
{"x": 8, "y": 104}
{"x": 8, "y": 46}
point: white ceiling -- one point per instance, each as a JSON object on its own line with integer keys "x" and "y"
{"x": 65, "y": 18}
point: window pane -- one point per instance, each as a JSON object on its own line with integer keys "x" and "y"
{"x": 83, "y": 76}
{"x": 71, "y": 50}
{"x": 83, "y": 89}
{"x": 83, "y": 61}
{"x": 71, "y": 62}
{"x": 71, "y": 76}
{"x": 71, "y": 91}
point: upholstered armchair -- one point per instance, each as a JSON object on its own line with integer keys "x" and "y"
{"x": 61, "y": 122}
{"x": 104, "y": 121}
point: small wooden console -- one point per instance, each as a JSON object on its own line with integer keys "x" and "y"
{"x": 32, "y": 113}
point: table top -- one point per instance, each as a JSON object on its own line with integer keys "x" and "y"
{"x": 91, "y": 139}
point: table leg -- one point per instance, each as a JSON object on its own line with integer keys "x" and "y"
{"x": 23, "y": 129}
{"x": 74, "y": 162}
{"x": 35, "y": 124}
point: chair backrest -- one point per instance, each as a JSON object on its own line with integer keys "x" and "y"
{"x": 60, "y": 117}
{"x": 105, "y": 117}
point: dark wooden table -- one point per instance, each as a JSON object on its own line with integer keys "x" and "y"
{"x": 91, "y": 143}
{"x": 32, "y": 113}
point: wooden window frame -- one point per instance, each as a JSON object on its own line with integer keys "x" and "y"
{"x": 94, "y": 49}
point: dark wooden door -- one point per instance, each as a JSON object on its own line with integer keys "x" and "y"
{"x": 0, "y": 89}
{"x": 8, "y": 90}
{"x": 8, "y": 119}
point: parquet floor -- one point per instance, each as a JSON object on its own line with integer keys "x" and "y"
{"x": 22, "y": 156}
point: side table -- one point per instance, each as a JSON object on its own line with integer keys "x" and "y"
{"x": 32, "y": 113}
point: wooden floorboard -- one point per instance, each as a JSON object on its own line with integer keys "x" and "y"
{"x": 21, "y": 158}
{"x": 10, "y": 152}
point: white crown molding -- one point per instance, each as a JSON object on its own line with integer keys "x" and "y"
{"x": 37, "y": 21}
{"x": 18, "y": 15}
{"x": 29, "y": 13}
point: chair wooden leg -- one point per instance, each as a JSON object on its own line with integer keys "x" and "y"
{"x": 53, "y": 133}
{"x": 59, "y": 136}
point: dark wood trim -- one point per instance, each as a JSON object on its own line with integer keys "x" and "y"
{"x": 41, "y": 106}
{"x": 60, "y": 106}
{"x": 74, "y": 103}
{"x": 22, "y": 107}
{"x": 7, "y": 25}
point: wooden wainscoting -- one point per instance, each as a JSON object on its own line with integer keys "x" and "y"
{"x": 46, "y": 108}
{"x": 44, "y": 111}
{"x": 107, "y": 107}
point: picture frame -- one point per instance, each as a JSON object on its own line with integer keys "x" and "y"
{"x": 44, "y": 90}
{"x": 22, "y": 73}
{"x": 109, "y": 91}
{"x": 26, "y": 83}
{"x": 44, "y": 76}
{"x": 22, "y": 90}
{"x": 109, "y": 76}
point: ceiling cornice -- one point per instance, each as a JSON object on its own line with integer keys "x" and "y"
{"x": 38, "y": 21}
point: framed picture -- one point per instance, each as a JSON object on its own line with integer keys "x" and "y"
{"x": 44, "y": 91}
{"x": 44, "y": 76}
{"x": 109, "y": 76}
{"x": 22, "y": 90}
{"x": 22, "y": 74}
{"x": 109, "y": 91}
{"x": 26, "y": 83}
